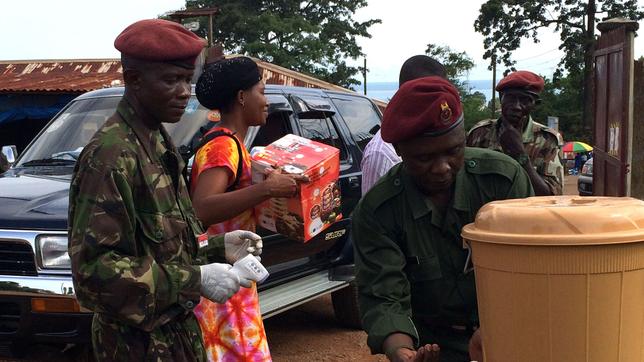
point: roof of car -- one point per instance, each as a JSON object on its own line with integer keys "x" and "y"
{"x": 271, "y": 88}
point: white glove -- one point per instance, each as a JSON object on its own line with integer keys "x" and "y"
{"x": 240, "y": 243}
{"x": 218, "y": 283}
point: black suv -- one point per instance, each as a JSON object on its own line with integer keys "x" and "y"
{"x": 37, "y": 300}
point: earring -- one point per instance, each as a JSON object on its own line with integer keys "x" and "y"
{"x": 242, "y": 103}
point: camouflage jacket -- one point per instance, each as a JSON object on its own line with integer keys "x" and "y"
{"x": 541, "y": 143}
{"x": 133, "y": 245}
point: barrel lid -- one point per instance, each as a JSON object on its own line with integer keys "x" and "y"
{"x": 559, "y": 220}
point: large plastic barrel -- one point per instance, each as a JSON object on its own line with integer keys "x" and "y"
{"x": 560, "y": 278}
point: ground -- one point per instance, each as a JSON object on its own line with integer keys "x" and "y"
{"x": 306, "y": 333}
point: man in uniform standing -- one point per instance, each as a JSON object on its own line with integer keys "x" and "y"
{"x": 133, "y": 233}
{"x": 535, "y": 146}
{"x": 415, "y": 279}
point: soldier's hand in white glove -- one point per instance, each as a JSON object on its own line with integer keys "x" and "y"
{"x": 219, "y": 283}
{"x": 240, "y": 243}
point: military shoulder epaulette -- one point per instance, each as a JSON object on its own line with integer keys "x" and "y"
{"x": 483, "y": 123}
{"x": 551, "y": 131}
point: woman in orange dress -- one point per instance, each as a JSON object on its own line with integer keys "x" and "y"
{"x": 225, "y": 201}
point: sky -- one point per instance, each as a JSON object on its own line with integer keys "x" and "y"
{"x": 85, "y": 29}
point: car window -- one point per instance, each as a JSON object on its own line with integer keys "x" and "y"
{"x": 277, "y": 126}
{"x": 323, "y": 130}
{"x": 361, "y": 118}
{"x": 64, "y": 138}
{"x": 277, "y": 123}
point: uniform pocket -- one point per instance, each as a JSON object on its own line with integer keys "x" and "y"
{"x": 160, "y": 228}
{"x": 426, "y": 269}
{"x": 427, "y": 287}
{"x": 163, "y": 235}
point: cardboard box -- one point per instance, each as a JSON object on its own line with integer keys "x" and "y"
{"x": 317, "y": 204}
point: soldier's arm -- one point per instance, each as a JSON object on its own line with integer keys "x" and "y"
{"x": 474, "y": 137}
{"x": 384, "y": 291}
{"x": 553, "y": 170}
{"x": 113, "y": 273}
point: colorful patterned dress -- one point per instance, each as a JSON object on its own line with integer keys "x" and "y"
{"x": 233, "y": 331}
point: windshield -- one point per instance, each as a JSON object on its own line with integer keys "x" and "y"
{"x": 64, "y": 137}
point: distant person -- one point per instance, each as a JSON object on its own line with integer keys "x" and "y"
{"x": 535, "y": 146}
{"x": 4, "y": 164}
{"x": 578, "y": 162}
{"x": 416, "y": 285}
{"x": 137, "y": 261}
{"x": 379, "y": 156}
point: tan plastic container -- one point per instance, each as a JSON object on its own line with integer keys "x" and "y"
{"x": 560, "y": 278}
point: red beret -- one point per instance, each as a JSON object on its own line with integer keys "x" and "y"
{"x": 522, "y": 80}
{"x": 159, "y": 40}
{"x": 428, "y": 106}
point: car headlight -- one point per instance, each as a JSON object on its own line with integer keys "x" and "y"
{"x": 52, "y": 252}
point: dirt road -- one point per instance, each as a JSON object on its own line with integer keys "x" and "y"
{"x": 310, "y": 333}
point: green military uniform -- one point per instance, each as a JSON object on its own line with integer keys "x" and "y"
{"x": 133, "y": 244}
{"x": 4, "y": 164}
{"x": 410, "y": 262}
{"x": 542, "y": 144}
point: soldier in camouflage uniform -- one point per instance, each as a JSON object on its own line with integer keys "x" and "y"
{"x": 535, "y": 146}
{"x": 135, "y": 242}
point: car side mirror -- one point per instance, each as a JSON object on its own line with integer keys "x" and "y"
{"x": 11, "y": 153}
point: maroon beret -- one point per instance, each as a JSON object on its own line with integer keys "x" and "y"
{"x": 160, "y": 40}
{"x": 522, "y": 80}
{"x": 428, "y": 106}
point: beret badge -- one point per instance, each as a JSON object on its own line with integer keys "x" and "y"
{"x": 446, "y": 112}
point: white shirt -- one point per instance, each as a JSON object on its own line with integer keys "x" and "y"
{"x": 378, "y": 157}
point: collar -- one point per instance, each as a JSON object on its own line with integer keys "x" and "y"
{"x": 416, "y": 199}
{"x": 528, "y": 132}
{"x": 147, "y": 136}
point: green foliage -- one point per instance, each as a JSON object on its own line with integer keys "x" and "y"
{"x": 457, "y": 66}
{"x": 474, "y": 108}
{"x": 504, "y": 23}
{"x": 313, "y": 37}
{"x": 561, "y": 98}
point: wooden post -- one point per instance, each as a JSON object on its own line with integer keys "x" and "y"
{"x": 637, "y": 162}
{"x": 210, "y": 40}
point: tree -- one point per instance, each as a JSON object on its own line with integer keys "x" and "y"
{"x": 504, "y": 23}
{"x": 313, "y": 37}
{"x": 457, "y": 66}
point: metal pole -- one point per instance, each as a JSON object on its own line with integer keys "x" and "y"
{"x": 364, "y": 76}
{"x": 493, "y": 106}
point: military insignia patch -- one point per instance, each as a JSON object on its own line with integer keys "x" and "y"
{"x": 446, "y": 112}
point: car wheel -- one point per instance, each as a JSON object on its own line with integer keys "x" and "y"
{"x": 345, "y": 306}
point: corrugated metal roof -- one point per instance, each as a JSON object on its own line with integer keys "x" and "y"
{"x": 83, "y": 75}
{"x": 75, "y": 76}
